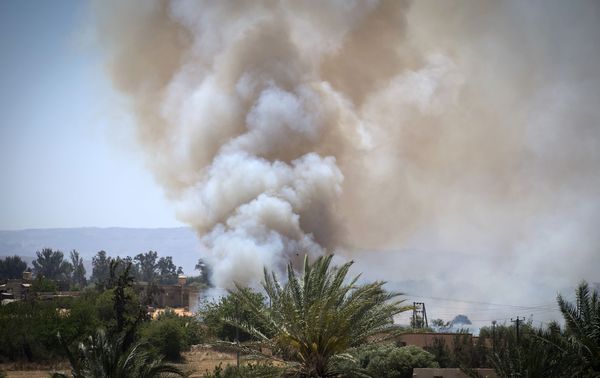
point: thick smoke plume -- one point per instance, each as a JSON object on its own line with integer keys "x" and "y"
{"x": 460, "y": 136}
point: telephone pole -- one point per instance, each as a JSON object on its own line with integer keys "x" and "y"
{"x": 494, "y": 336}
{"x": 237, "y": 334}
{"x": 517, "y": 322}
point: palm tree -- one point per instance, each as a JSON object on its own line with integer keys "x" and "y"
{"x": 102, "y": 356}
{"x": 541, "y": 352}
{"x": 582, "y": 322}
{"x": 317, "y": 316}
{"x": 552, "y": 351}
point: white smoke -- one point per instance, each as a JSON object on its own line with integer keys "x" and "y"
{"x": 450, "y": 128}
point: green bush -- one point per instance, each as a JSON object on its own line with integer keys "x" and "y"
{"x": 82, "y": 318}
{"x": 41, "y": 284}
{"x": 28, "y": 328}
{"x": 244, "y": 371}
{"x": 171, "y": 334}
{"x": 105, "y": 305}
{"x": 28, "y": 331}
{"x": 166, "y": 336}
{"x": 387, "y": 361}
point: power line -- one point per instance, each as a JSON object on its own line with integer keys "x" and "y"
{"x": 482, "y": 303}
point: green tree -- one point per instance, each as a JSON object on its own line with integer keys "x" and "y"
{"x": 441, "y": 352}
{"x": 440, "y": 325}
{"x": 122, "y": 282}
{"x": 147, "y": 265}
{"x": 231, "y": 307}
{"x": 167, "y": 271}
{"x": 104, "y": 356}
{"x": 119, "y": 307}
{"x": 171, "y": 334}
{"x": 78, "y": 273}
{"x": 100, "y": 269}
{"x": 582, "y": 321}
{"x": 51, "y": 265}
{"x": 316, "y": 317}
{"x": 12, "y": 267}
{"x": 537, "y": 353}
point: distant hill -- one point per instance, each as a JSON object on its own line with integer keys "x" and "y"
{"x": 180, "y": 242}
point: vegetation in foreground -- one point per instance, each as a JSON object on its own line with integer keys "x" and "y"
{"x": 313, "y": 319}
{"x": 103, "y": 356}
{"x": 318, "y": 324}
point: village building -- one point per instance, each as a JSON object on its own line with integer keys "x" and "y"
{"x": 179, "y": 296}
{"x": 16, "y": 289}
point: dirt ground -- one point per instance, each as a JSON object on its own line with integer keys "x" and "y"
{"x": 26, "y": 370}
{"x": 32, "y": 373}
{"x": 198, "y": 361}
{"x": 201, "y": 359}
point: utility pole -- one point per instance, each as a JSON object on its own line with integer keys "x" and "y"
{"x": 517, "y": 323}
{"x": 419, "y": 317}
{"x": 237, "y": 333}
{"x": 494, "y": 336}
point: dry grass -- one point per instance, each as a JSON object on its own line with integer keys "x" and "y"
{"x": 204, "y": 358}
{"x": 197, "y": 361}
{"x": 32, "y": 373}
{"x": 33, "y": 370}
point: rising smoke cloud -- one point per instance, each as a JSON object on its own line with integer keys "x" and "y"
{"x": 429, "y": 129}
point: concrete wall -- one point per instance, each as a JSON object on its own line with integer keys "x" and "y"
{"x": 175, "y": 296}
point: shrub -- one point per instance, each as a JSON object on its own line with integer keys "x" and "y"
{"x": 105, "y": 305}
{"x": 390, "y": 361}
{"x": 171, "y": 334}
{"x": 166, "y": 336}
{"x": 244, "y": 371}
{"x": 41, "y": 284}
{"x": 28, "y": 331}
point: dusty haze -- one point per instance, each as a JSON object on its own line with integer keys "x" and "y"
{"x": 462, "y": 138}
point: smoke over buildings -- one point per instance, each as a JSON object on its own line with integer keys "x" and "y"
{"x": 453, "y": 134}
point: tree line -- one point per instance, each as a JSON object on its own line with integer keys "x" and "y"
{"x": 54, "y": 271}
{"x": 316, "y": 322}
{"x": 105, "y": 331}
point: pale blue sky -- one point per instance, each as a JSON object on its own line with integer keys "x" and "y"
{"x": 67, "y": 157}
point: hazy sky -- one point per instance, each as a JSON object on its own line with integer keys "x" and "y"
{"x": 450, "y": 147}
{"x": 67, "y": 157}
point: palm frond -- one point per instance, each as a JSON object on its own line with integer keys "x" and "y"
{"x": 318, "y": 314}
